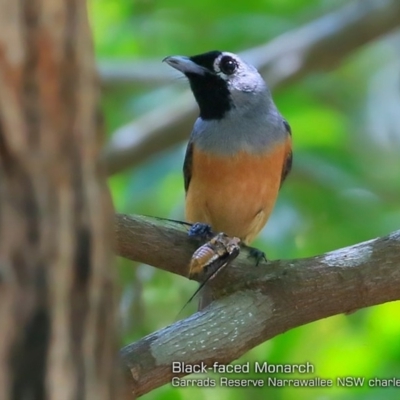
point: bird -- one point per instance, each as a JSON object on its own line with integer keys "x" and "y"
{"x": 240, "y": 149}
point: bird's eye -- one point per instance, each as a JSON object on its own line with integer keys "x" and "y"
{"x": 228, "y": 65}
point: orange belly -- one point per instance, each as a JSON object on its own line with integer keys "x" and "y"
{"x": 235, "y": 194}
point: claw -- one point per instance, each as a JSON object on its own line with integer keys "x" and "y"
{"x": 200, "y": 230}
{"x": 258, "y": 255}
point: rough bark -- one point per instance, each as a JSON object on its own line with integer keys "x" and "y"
{"x": 320, "y": 45}
{"x": 57, "y": 314}
{"x": 253, "y": 304}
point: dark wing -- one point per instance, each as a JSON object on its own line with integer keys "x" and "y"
{"x": 287, "y": 165}
{"x": 287, "y": 126}
{"x": 187, "y": 165}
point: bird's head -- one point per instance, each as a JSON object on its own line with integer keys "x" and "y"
{"x": 221, "y": 82}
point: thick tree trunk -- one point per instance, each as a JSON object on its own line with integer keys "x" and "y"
{"x": 57, "y": 315}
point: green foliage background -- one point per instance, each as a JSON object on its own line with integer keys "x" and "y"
{"x": 344, "y": 188}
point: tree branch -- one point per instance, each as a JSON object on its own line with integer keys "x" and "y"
{"x": 158, "y": 242}
{"x": 254, "y": 303}
{"x": 319, "y": 45}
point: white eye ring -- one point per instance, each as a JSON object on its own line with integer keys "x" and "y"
{"x": 216, "y": 67}
{"x": 228, "y": 65}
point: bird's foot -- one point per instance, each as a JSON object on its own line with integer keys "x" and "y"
{"x": 201, "y": 231}
{"x": 256, "y": 254}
